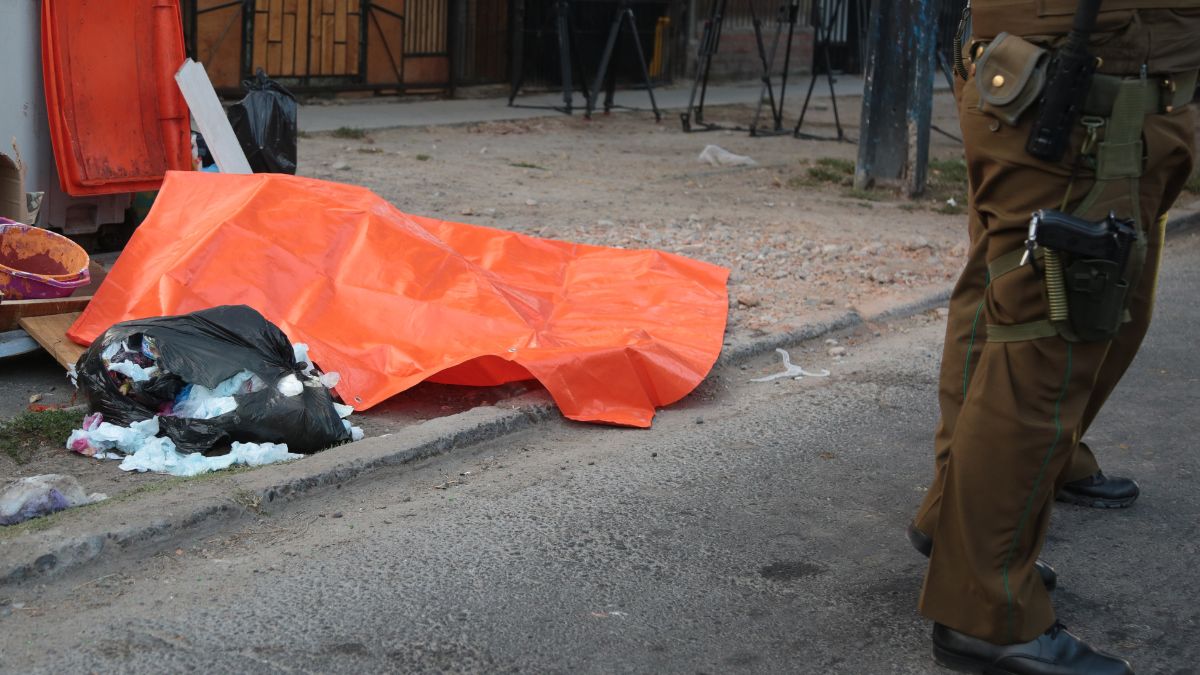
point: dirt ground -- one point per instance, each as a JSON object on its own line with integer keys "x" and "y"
{"x": 799, "y": 247}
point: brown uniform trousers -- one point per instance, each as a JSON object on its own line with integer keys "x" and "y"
{"x": 1013, "y": 412}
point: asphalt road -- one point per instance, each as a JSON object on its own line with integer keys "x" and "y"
{"x": 757, "y": 528}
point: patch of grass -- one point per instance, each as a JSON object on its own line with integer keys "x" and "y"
{"x": 826, "y": 170}
{"x": 947, "y": 179}
{"x": 527, "y": 165}
{"x": 349, "y": 132}
{"x": 843, "y": 166}
{"x": 370, "y": 150}
{"x": 422, "y": 158}
{"x": 249, "y": 500}
{"x": 21, "y": 436}
{"x": 302, "y": 134}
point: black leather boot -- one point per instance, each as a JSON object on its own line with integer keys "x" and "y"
{"x": 924, "y": 545}
{"x": 1100, "y": 492}
{"x": 1055, "y": 652}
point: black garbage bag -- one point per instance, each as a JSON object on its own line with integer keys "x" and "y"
{"x": 265, "y": 124}
{"x": 207, "y": 348}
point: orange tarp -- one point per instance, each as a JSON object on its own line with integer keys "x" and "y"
{"x": 389, "y": 299}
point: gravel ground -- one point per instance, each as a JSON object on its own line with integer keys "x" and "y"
{"x": 800, "y": 247}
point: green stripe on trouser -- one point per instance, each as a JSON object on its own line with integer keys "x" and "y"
{"x": 1012, "y": 549}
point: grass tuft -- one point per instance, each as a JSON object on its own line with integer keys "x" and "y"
{"x": 24, "y": 434}
{"x": 349, "y": 132}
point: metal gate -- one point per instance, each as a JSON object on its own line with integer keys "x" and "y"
{"x": 323, "y": 45}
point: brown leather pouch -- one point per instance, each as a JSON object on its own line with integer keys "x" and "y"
{"x": 1010, "y": 75}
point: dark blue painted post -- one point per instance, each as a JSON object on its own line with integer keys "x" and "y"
{"x": 893, "y": 147}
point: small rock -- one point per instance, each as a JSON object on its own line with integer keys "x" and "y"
{"x": 699, "y": 420}
{"x": 467, "y": 211}
{"x": 916, "y": 244}
{"x": 340, "y": 165}
{"x": 654, "y": 454}
{"x": 337, "y": 514}
{"x": 943, "y": 312}
{"x": 749, "y": 299}
{"x": 531, "y": 202}
{"x": 837, "y": 351}
{"x": 831, "y": 342}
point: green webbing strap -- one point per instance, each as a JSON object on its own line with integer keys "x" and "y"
{"x": 1163, "y": 93}
{"x": 1021, "y": 332}
{"x": 1120, "y": 153}
{"x": 1010, "y": 262}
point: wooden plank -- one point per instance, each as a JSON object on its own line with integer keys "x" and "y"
{"x": 314, "y": 35}
{"x": 11, "y": 311}
{"x": 384, "y": 32}
{"x": 327, "y": 44}
{"x": 339, "y": 59}
{"x": 274, "y": 58}
{"x": 288, "y": 67}
{"x": 211, "y": 118}
{"x": 260, "y": 41}
{"x": 339, "y": 29}
{"x": 275, "y": 21}
{"x": 51, "y": 333}
{"x": 219, "y": 44}
{"x": 353, "y": 37}
{"x": 303, "y": 9}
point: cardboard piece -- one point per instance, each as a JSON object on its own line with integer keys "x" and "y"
{"x": 13, "y": 204}
{"x": 211, "y": 118}
{"x": 51, "y": 333}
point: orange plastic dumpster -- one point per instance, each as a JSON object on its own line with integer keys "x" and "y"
{"x": 389, "y": 299}
{"x": 117, "y": 120}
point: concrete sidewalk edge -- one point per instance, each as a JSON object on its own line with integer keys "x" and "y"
{"x": 51, "y": 553}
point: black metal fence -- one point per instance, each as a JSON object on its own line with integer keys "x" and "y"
{"x": 536, "y": 35}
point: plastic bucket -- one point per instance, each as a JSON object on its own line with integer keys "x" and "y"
{"x": 37, "y": 263}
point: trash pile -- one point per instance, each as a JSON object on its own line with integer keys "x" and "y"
{"x": 42, "y": 495}
{"x": 167, "y": 394}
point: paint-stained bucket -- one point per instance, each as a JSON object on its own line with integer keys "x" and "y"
{"x": 37, "y": 263}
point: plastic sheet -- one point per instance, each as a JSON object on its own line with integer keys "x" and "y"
{"x": 42, "y": 495}
{"x": 389, "y": 299}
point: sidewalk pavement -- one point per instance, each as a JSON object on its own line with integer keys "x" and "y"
{"x": 393, "y": 112}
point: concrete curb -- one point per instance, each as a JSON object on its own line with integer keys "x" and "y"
{"x": 194, "y": 504}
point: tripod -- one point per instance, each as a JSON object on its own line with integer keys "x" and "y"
{"x": 694, "y": 117}
{"x": 824, "y": 36}
{"x": 567, "y": 57}
{"x": 624, "y": 16}
{"x": 788, "y": 13}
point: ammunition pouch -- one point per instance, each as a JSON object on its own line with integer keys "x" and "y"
{"x": 1010, "y": 76}
{"x": 1095, "y": 293}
